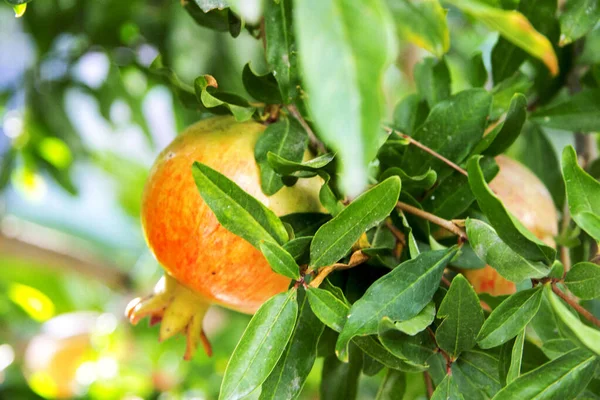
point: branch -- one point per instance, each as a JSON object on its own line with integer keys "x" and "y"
{"x": 428, "y": 384}
{"x": 444, "y": 223}
{"x": 358, "y": 257}
{"x": 426, "y": 149}
{"x": 315, "y": 143}
{"x": 573, "y": 303}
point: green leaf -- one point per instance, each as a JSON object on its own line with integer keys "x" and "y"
{"x": 462, "y": 318}
{"x": 510, "y": 318}
{"x": 328, "y": 198}
{"x": 500, "y": 139}
{"x": 214, "y": 15}
{"x": 476, "y": 374}
{"x": 184, "y": 92}
{"x": 491, "y": 249}
{"x": 339, "y": 380}
{"x": 221, "y": 102}
{"x": 399, "y": 295}
{"x": 421, "y": 182}
{"x": 346, "y": 102}
{"x": 513, "y": 352}
{"x": 422, "y": 23}
{"x": 589, "y": 337}
{"x": 583, "y": 194}
{"x": 513, "y": 26}
{"x": 209, "y": 5}
{"x": 409, "y": 114}
{"x": 280, "y": 260}
{"x": 462, "y": 118}
{"x": 299, "y": 248}
{"x": 508, "y": 228}
{"x": 334, "y": 239}
{"x": 261, "y": 346}
{"x": 292, "y": 369}
{"x": 477, "y": 73}
{"x": 236, "y": 210}
{"x": 535, "y": 150}
{"x": 503, "y": 92}
{"x": 392, "y": 386}
{"x": 562, "y": 378}
{"x": 453, "y": 196}
{"x": 419, "y": 322}
{"x": 416, "y": 349}
{"x": 577, "y": 113}
{"x": 577, "y": 19}
{"x": 262, "y": 87}
{"x": 328, "y": 308}
{"x": 308, "y": 168}
{"x": 280, "y": 52}
{"x": 286, "y": 139}
{"x": 555, "y": 348}
{"x": 374, "y": 349}
{"x": 583, "y": 280}
{"x": 305, "y": 224}
{"x": 447, "y": 390}
{"x": 506, "y": 57}
{"x": 433, "y": 80}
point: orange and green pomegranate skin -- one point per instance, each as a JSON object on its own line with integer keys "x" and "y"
{"x": 184, "y": 234}
{"x": 526, "y": 197}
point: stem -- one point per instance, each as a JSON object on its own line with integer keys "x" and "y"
{"x": 446, "y": 281}
{"x": 426, "y": 149}
{"x": 357, "y": 258}
{"x": 315, "y": 143}
{"x": 428, "y": 384}
{"x": 573, "y": 303}
{"x": 444, "y": 223}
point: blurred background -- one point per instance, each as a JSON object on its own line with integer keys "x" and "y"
{"x": 82, "y": 118}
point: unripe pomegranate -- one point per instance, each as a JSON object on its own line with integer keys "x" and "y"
{"x": 526, "y": 197}
{"x": 205, "y": 263}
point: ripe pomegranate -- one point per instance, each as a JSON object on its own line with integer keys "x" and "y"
{"x": 526, "y": 197}
{"x": 206, "y": 264}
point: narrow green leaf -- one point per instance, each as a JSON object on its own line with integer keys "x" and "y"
{"x": 583, "y": 194}
{"x": 462, "y": 118}
{"x": 577, "y": 19}
{"x": 477, "y": 73}
{"x": 286, "y": 139}
{"x": 280, "y": 260}
{"x": 513, "y": 26}
{"x": 409, "y": 114}
{"x": 328, "y": 308}
{"x": 462, "y": 318}
{"x": 371, "y": 366}
{"x": 415, "y": 349}
{"x": 555, "y": 348}
{"x": 515, "y": 348}
{"x": 508, "y": 228}
{"x": 339, "y": 380}
{"x": 490, "y": 248}
{"x": 308, "y": 168}
{"x": 334, "y": 239}
{"x": 577, "y": 113}
{"x": 260, "y": 347}
{"x": 209, "y": 5}
{"x": 583, "y": 280}
{"x": 503, "y": 92}
{"x": 589, "y": 337}
{"x": 499, "y": 140}
{"x": 279, "y": 34}
{"x": 476, "y": 374}
{"x": 433, "y": 80}
{"x": 392, "y": 386}
{"x": 292, "y": 369}
{"x": 447, "y": 390}
{"x": 399, "y": 295}
{"x": 562, "y": 378}
{"x": 262, "y": 87}
{"x": 236, "y": 210}
{"x": 421, "y": 182}
{"x": 328, "y": 198}
{"x": 221, "y": 102}
{"x": 374, "y": 349}
{"x": 419, "y": 322}
{"x": 422, "y": 23}
{"x": 299, "y": 248}
{"x": 305, "y": 224}
{"x": 346, "y": 102}
{"x": 509, "y": 318}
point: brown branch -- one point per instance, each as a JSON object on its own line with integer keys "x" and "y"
{"x": 315, "y": 143}
{"x": 357, "y": 258}
{"x": 56, "y": 250}
{"x": 428, "y": 384}
{"x": 445, "y": 281}
{"x": 573, "y": 303}
{"x": 444, "y": 223}
{"x": 426, "y": 149}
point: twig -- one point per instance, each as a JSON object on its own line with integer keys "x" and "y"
{"x": 573, "y": 303}
{"x": 358, "y": 257}
{"x": 315, "y": 143}
{"x": 428, "y": 384}
{"x": 446, "y": 281}
{"x": 444, "y": 223}
{"x": 426, "y": 149}
{"x": 398, "y": 234}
